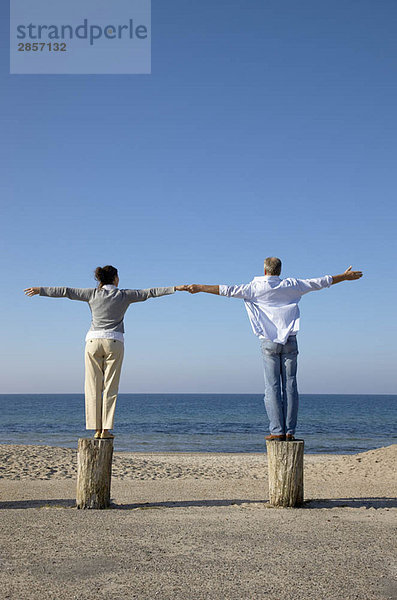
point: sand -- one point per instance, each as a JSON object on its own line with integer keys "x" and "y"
{"x": 198, "y": 526}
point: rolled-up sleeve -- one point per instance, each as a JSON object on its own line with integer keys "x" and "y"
{"x": 311, "y": 285}
{"x": 243, "y": 291}
{"x": 142, "y": 295}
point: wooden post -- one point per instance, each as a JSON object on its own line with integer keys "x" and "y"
{"x": 285, "y": 464}
{"x": 94, "y": 472}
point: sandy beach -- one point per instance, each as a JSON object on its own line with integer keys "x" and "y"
{"x": 198, "y": 526}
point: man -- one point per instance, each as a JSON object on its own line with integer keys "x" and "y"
{"x": 272, "y": 306}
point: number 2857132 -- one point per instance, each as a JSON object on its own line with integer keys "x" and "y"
{"x": 42, "y": 46}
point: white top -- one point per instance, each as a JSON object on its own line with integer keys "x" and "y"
{"x": 272, "y": 303}
{"x": 105, "y": 333}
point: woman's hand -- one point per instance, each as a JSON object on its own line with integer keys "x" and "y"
{"x": 32, "y": 291}
{"x": 181, "y": 288}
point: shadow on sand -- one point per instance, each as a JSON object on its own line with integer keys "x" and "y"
{"x": 308, "y": 504}
{"x": 352, "y": 503}
{"x": 61, "y": 503}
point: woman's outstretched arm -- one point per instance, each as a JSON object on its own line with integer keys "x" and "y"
{"x": 142, "y": 295}
{"x": 82, "y": 294}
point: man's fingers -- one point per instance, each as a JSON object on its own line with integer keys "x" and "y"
{"x": 192, "y": 288}
{"x": 355, "y": 274}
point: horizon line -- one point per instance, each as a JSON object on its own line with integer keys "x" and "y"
{"x": 198, "y": 394}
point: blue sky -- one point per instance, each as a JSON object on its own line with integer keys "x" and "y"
{"x": 265, "y": 128}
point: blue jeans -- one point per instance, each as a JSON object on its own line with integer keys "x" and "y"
{"x": 281, "y": 390}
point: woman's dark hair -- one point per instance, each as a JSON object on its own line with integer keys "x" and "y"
{"x": 105, "y": 275}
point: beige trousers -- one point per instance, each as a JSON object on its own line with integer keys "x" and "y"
{"x": 103, "y": 360}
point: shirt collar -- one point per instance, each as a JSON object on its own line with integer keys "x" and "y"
{"x": 108, "y": 287}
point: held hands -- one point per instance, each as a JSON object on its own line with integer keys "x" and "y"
{"x": 193, "y": 288}
{"x": 351, "y": 275}
{"x": 32, "y": 291}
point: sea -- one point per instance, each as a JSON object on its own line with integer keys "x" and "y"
{"x": 329, "y": 423}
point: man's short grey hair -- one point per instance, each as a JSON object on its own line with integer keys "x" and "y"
{"x": 273, "y": 265}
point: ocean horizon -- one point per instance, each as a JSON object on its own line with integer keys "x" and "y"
{"x": 329, "y": 423}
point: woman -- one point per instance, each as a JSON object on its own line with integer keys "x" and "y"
{"x": 104, "y": 348}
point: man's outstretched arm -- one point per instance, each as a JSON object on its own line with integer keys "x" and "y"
{"x": 195, "y": 288}
{"x": 244, "y": 291}
{"x": 348, "y": 275}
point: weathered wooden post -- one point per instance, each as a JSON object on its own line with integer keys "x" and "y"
{"x": 94, "y": 472}
{"x": 285, "y": 465}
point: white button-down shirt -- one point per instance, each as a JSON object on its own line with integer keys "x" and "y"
{"x": 272, "y": 303}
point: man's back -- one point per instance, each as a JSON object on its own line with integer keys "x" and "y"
{"x": 272, "y": 303}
